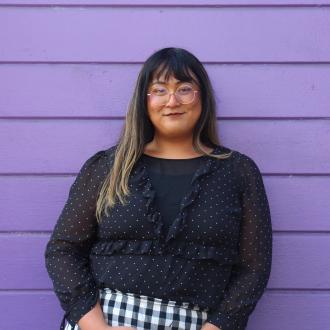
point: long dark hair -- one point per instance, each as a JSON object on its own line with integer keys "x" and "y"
{"x": 138, "y": 130}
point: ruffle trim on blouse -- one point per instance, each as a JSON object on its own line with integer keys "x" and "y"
{"x": 187, "y": 250}
{"x": 149, "y": 193}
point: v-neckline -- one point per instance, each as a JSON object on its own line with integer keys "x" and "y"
{"x": 149, "y": 192}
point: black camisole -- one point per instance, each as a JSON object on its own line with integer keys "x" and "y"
{"x": 171, "y": 179}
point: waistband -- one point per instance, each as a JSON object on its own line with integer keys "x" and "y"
{"x": 104, "y": 292}
{"x": 154, "y": 300}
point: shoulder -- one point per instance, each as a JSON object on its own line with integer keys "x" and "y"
{"x": 99, "y": 159}
{"x": 243, "y": 163}
{"x": 110, "y": 155}
{"x": 247, "y": 171}
{"x": 244, "y": 160}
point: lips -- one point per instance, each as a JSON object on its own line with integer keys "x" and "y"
{"x": 174, "y": 113}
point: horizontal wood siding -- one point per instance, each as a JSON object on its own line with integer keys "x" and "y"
{"x": 67, "y": 72}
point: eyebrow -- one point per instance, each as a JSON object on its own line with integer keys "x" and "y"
{"x": 164, "y": 82}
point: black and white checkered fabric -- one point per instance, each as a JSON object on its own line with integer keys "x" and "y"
{"x": 143, "y": 312}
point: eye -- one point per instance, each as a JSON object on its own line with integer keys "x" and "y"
{"x": 158, "y": 91}
{"x": 185, "y": 89}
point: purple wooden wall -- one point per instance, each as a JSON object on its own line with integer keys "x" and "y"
{"x": 67, "y": 69}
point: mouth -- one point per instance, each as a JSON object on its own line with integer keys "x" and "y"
{"x": 174, "y": 114}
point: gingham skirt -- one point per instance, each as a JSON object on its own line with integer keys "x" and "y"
{"x": 143, "y": 312}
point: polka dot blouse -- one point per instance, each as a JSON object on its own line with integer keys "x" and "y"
{"x": 204, "y": 237}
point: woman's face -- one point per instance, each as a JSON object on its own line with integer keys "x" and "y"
{"x": 173, "y": 125}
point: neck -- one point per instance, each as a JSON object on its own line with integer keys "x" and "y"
{"x": 171, "y": 147}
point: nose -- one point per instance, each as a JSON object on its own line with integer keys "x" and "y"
{"x": 172, "y": 102}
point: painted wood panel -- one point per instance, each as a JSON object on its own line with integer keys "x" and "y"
{"x": 175, "y": 3}
{"x": 60, "y": 146}
{"x": 300, "y": 261}
{"x": 292, "y": 202}
{"x": 262, "y": 35}
{"x": 303, "y": 310}
{"x": 104, "y": 90}
{"x": 67, "y": 70}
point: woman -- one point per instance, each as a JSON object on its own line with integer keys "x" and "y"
{"x": 167, "y": 229}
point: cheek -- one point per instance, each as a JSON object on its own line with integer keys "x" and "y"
{"x": 195, "y": 111}
{"x": 154, "y": 113}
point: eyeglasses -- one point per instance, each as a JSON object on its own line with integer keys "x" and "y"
{"x": 185, "y": 94}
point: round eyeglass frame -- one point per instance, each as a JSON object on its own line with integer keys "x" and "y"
{"x": 174, "y": 93}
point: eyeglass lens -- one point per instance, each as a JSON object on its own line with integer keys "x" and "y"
{"x": 184, "y": 94}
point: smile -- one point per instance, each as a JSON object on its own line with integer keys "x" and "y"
{"x": 175, "y": 114}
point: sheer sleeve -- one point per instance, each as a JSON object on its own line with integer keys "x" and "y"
{"x": 66, "y": 253}
{"x": 250, "y": 275}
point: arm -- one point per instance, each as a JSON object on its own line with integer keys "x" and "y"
{"x": 250, "y": 276}
{"x": 67, "y": 251}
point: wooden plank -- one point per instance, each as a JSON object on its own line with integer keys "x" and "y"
{"x": 53, "y": 34}
{"x": 299, "y": 261}
{"x": 61, "y": 146}
{"x": 89, "y": 90}
{"x": 302, "y": 310}
{"x": 169, "y": 2}
{"x": 297, "y": 203}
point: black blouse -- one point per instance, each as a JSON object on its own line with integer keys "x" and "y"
{"x": 213, "y": 249}
{"x": 171, "y": 179}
